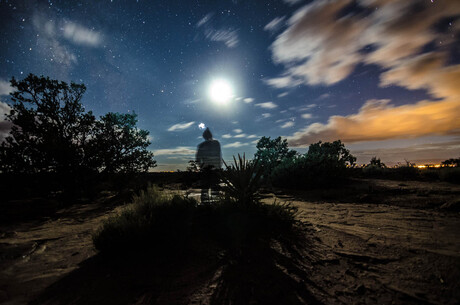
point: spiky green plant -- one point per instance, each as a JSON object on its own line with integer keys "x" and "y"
{"x": 242, "y": 180}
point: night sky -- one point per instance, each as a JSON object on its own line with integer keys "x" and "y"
{"x": 381, "y": 75}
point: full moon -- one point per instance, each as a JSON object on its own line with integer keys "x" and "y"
{"x": 220, "y": 91}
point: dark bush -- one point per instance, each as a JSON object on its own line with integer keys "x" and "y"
{"x": 324, "y": 165}
{"x": 165, "y": 225}
{"x": 374, "y": 171}
{"x": 450, "y": 175}
{"x": 154, "y": 221}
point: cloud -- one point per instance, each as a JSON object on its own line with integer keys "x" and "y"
{"x": 248, "y": 100}
{"x": 285, "y": 81}
{"x": 180, "y": 126}
{"x": 379, "y": 120}
{"x": 52, "y": 37}
{"x": 275, "y": 24}
{"x": 253, "y": 136}
{"x": 229, "y": 37}
{"x": 79, "y": 34}
{"x": 306, "y": 116}
{"x": 180, "y": 150}
{"x": 238, "y": 130}
{"x": 322, "y": 45}
{"x": 287, "y": 124}
{"x": 5, "y": 87}
{"x": 266, "y": 115}
{"x": 282, "y": 94}
{"x": 235, "y": 145}
{"x": 227, "y": 136}
{"x": 426, "y": 71}
{"x": 292, "y": 2}
{"x": 5, "y": 126}
{"x": 204, "y": 20}
{"x": 323, "y": 96}
{"x": 267, "y": 105}
{"x": 241, "y": 135}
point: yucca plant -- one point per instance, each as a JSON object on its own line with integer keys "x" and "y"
{"x": 242, "y": 180}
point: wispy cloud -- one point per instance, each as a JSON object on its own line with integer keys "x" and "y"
{"x": 248, "y": 100}
{"x": 283, "y": 94}
{"x": 235, "y": 145}
{"x": 241, "y": 135}
{"x": 320, "y": 46}
{"x": 292, "y": 2}
{"x": 267, "y": 105}
{"x": 53, "y": 37}
{"x": 5, "y": 126}
{"x": 227, "y": 136}
{"x": 180, "y": 126}
{"x": 266, "y": 115}
{"x": 81, "y": 35}
{"x": 238, "y": 130}
{"x": 306, "y": 116}
{"x": 204, "y": 20}
{"x": 5, "y": 87}
{"x": 180, "y": 150}
{"x": 275, "y": 24}
{"x": 287, "y": 124}
{"x": 227, "y": 36}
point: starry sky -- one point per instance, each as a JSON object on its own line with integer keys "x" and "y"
{"x": 381, "y": 75}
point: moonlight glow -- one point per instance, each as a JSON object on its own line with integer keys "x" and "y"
{"x": 220, "y": 91}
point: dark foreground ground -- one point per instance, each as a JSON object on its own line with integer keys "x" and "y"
{"x": 372, "y": 242}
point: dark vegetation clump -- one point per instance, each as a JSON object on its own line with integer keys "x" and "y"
{"x": 55, "y": 142}
{"x": 238, "y": 224}
{"x": 324, "y": 165}
{"x": 154, "y": 221}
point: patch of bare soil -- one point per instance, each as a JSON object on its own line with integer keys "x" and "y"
{"x": 386, "y": 242}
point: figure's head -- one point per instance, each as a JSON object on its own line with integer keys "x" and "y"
{"x": 207, "y": 135}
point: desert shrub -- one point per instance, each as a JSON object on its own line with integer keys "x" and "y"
{"x": 405, "y": 172}
{"x": 450, "y": 175}
{"x": 430, "y": 174}
{"x": 324, "y": 165}
{"x": 242, "y": 180}
{"x": 164, "y": 225}
{"x": 154, "y": 221}
{"x": 374, "y": 171}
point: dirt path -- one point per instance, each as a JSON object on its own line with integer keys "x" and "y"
{"x": 380, "y": 254}
{"x": 36, "y": 254}
{"x": 364, "y": 254}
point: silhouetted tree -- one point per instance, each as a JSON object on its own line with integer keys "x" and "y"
{"x": 451, "y": 162}
{"x": 334, "y": 153}
{"x": 323, "y": 165}
{"x": 376, "y": 162}
{"x": 119, "y": 146}
{"x": 270, "y": 153}
{"x": 52, "y": 132}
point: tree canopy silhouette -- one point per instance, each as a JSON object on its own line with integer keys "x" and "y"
{"x": 52, "y": 132}
{"x": 270, "y": 153}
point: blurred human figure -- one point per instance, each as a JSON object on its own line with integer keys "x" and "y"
{"x": 209, "y": 158}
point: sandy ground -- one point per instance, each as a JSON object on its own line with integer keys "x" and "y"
{"x": 398, "y": 249}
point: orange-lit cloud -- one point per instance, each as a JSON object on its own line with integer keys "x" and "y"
{"x": 379, "y": 120}
{"x": 321, "y": 45}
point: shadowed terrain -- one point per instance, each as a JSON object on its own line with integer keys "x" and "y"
{"x": 357, "y": 253}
